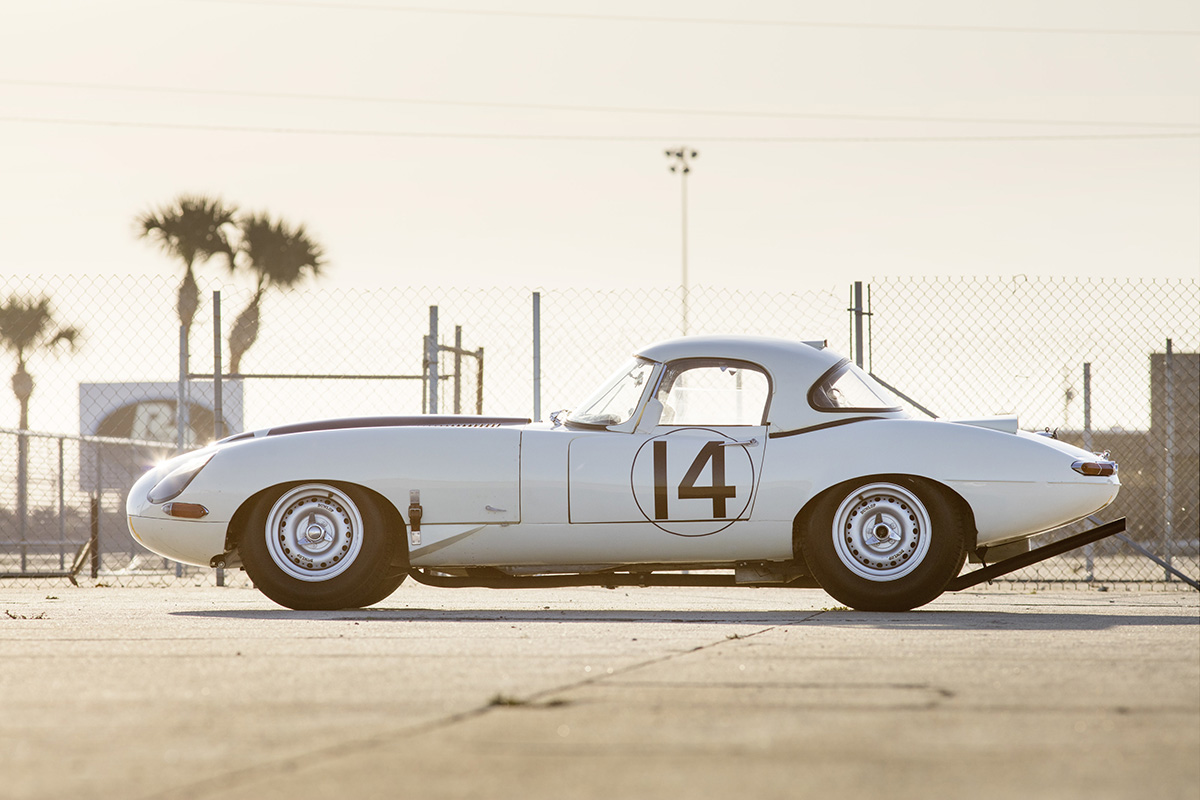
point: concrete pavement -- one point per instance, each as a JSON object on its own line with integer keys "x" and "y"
{"x": 592, "y": 693}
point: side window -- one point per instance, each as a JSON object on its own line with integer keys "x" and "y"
{"x": 713, "y": 392}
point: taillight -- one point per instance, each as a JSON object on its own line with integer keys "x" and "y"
{"x": 1097, "y": 468}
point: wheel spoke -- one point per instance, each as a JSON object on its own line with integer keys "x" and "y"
{"x": 881, "y": 532}
{"x": 313, "y": 532}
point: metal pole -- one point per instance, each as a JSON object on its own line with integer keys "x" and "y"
{"x": 22, "y": 496}
{"x": 62, "y": 507}
{"x": 218, "y": 418}
{"x": 858, "y": 323}
{"x": 479, "y": 382}
{"x": 684, "y": 272}
{"x": 425, "y": 373}
{"x": 682, "y": 165}
{"x": 218, "y": 378}
{"x": 458, "y": 369}
{"x": 94, "y": 533}
{"x": 850, "y": 308}
{"x": 1087, "y": 406}
{"x": 1088, "y": 550}
{"x": 1169, "y": 467}
{"x": 1170, "y": 570}
{"x": 181, "y": 395}
{"x": 23, "y": 489}
{"x": 432, "y": 356}
{"x": 94, "y": 509}
{"x": 537, "y": 356}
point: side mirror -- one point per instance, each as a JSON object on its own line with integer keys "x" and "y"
{"x": 651, "y": 415}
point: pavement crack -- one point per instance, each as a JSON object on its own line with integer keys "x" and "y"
{"x": 313, "y": 759}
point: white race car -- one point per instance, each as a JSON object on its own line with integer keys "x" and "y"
{"x": 708, "y": 460}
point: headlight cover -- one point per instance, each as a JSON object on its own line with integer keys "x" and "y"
{"x": 177, "y": 479}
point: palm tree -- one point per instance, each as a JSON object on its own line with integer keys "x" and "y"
{"x": 280, "y": 256}
{"x": 27, "y": 326}
{"x": 192, "y": 228}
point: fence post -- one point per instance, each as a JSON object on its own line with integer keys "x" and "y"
{"x": 218, "y": 411}
{"x": 458, "y": 369}
{"x": 94, "y": 533}
{"x": 181, "y": 398}
{"x": 1088, "y": 550}
{"x": 431, "y": 356}
{"x": 218, "y": 378}
{"x": 479, "y": 382}
{"x": 22, "y": 498}
{"x": 1169, "y": 467}
{"x": 94, "y": 511}
{"x": 537, "y": 356}
{"x": 858, "y": 324}
{"x": 62, "y": 506}
{"x": 23, "y": 490}
{"x": 424, "y": 373}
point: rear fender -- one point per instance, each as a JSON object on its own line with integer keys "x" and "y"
{"x": 804, "y": 518}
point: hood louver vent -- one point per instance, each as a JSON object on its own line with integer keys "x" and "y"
{"x": 437, "y": 420}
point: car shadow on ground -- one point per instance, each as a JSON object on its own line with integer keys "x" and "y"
{"x": 825, "y": 618}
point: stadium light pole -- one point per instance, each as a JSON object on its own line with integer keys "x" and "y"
{"x": 681, "y": 163}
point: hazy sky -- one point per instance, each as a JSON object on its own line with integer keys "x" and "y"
{"x": 521, "y": 142}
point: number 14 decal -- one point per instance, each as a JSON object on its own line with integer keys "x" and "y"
{"x": 718, "y": 492}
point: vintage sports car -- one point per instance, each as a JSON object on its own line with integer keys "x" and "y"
{"x": 708, "y": 460}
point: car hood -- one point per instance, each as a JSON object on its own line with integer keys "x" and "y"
{"x": 423, "y": 420}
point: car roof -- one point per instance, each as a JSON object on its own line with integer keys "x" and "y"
{"x": 792, "y": 366}
{"x": 768, "y": 351}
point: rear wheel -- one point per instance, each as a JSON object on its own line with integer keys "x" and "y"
{"x": 321, "y": 546}
{"x": 885, "y": 545}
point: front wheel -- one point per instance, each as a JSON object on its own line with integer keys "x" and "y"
{"x": 885, "y": 545}
{"x": 321, "y": 546}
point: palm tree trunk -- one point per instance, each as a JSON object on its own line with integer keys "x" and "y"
{"x": 244, "y": 332}
{"x": 22, "y": 385}
{"x": 189, "y": 299}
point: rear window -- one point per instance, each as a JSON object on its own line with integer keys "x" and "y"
{"x": 848, "y": 388}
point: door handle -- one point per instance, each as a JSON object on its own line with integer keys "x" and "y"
{"x": 746, "y": 443}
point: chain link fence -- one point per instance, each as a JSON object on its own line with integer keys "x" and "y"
{"x": 1106, "y": 364}
{"x": 1109, "y": 364}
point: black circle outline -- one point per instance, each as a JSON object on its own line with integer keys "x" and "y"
{"x": 633, "y": 489}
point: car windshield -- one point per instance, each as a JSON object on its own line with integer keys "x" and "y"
{"x": 848, "y": 388}
{"x": 617, "y": 398}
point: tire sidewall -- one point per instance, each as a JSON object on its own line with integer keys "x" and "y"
{"x": 351, "y": 588}
{"x": 940, "y": 564}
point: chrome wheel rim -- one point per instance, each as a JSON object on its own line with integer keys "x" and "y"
{"x": 881, "y": 532}
{"x": 314, "y": 532}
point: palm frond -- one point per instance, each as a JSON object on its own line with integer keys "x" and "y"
{"x": 26, "y": 324}
{"x": 190, "y": 227}
{"x": 279, "y": 254}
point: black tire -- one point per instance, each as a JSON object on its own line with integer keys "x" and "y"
{"x": 885, "y": 544}
{"x": 322, "y": 546}
{"x": 389, "y": 584}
